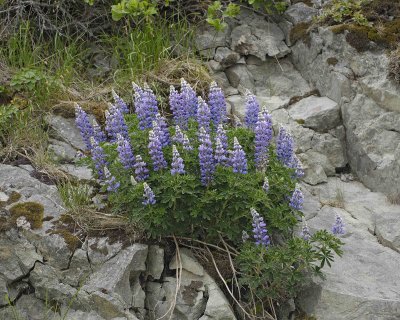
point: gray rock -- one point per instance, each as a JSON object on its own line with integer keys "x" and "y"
{"x": 3, "y": 197}
{"x": 373, "y": 143}
{"x": 260, "y": 39}
{"x": 314, "y": 174}
{"x": 300, "y": 12}
{"x": 362, "y": 284}
{"x": 188, "y": 262}
{"x": 155, "y": 262}
{"x": 208, "y": 39}
{"x": 29, "y": 307}
{"x": 61, "y": 151}
{"x": 226, "y": 57}
{"x": 317, "y": 113}
{"x": 272, "y": 103}
{"x": 27, "y": 167}
{"x": 99, "y": 250}
{"x": 66, "y": 130}
{"x": 238, "y": 104}
{"x": 239, "y": 75}
{"x": 55, "y": 250}
{"x": 82, "y": 173}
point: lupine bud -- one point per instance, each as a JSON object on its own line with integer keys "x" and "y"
{"x": 266, "y": 185}
{"x": 216, "y": 101}
{"x": 119, "y": 102}
{"x": 245, "y": 236}
{"x": 220, "y": 153}
{"x": 99, "y": 157}
{"x": 206, "y": 157}
{"x": 252, "y": 110}
{"x": 115, "y": 124}
{"x": 305, "y": 231}
{"x": 141, "y": 171}
{"x": 133, "y": 181}
{"x": 155, "y": 151}
{"x": 83, "y": 124}
{"x": 148, "y": 195}
{"x": 110, "y": 181}
{"x": 284, "y": 147}
{"x": 98, "y": 134}
{"x": 125, "y": 152}
{"x": 221, "y": 135}
{"x": 296, "y": 164}
{"x": 163, "y": 130}
{"x": 177, "y": 107}
{"x": 260, "y": 232}
{"x": 338, "y": 227}
{"x": 177, "y": 162}
{"x": 178, "y": 137}
{"x": 263, "y": 136}
{"x": 186, "y": 143}
{"x": 239, "y": 162}
{"x": 297, "y": 199}
{"x": 145, "y": 106}
{"x": 189, "y": 98}
{"x": 203, "y": 115}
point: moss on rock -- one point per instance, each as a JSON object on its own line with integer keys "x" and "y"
{"x": 332, "y": 61}
{"x": 70, "y": 239}
{"x": 301, "y": 32}
{"x": 32, "y": 211}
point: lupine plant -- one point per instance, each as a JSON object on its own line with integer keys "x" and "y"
{"x": 195, "y": 176}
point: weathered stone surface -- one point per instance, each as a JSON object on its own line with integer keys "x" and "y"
{"x": 314, "y": 174}
{"x": 361, "y": 284}
{"x": 188, "y": 262}
{"x": 239, "y": 76}
{"x": 226, "y": 57}
{"x": 100, "y": 250}
{"x": 29, "y": 307}
{"x": 55, "y": 250}
{"x": 300, "y": 12}
{"x": 259, "y": 38}
{"x": 238, "y": 104}
{"x": 317, "y": 113}
{"x": 373, "y": 143}
{"x": 82, "y": 173}
{"x": 155, "y": 262}
{"x": 61, "y": 151}
{"x": 208, "y": 39}
{"x": 66, "y": 130}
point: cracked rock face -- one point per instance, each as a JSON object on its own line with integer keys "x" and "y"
{"x": 366, "y": 279}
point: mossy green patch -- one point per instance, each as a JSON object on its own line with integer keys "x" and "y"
{"x": 14, "y": 197}
{"x": 70, "y": 239}
{"x": 300, "y": 32}
{"x": 32, "y": 211}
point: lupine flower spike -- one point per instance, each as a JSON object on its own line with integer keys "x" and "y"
{"x": 266, "y": 185}
{"x": 177, "y": 107}
{"x": 115, "y": 124}
{"x": 110, "y": 181}
{"x": 125, "y": 153}
{"x": 148, "y": 195}
{"x": 284, "y": 147}
{"x": 260, "y": 232}
{"x": 263, "y": 136}
{"x": 186, "y": 143}
{"x": 206, "y": 157}
{"x": 189, "y": 99}
{"x": 99, "y": 158}
{"x": 220, "y": 153}
{"x": 252, "y": 110}
{"x": 155, "y": 151}
{"x": 98, "y": 134}
{"x": 119, "y": 102}
{"x": 216, "y": 101}
{"x": 145, "y": 106}
{"x": 305, "y": 231}
{"x": 203, "y": 115}
{"x": 141, "y": 171}
{"x": 163, "y": 128}
{"x": 239, "y": 162}
{"x": 245, "y": 236}
{"x": 178, "y": 136}
{"x": 83, "y": 124}
{"x": 177, "y": 162}
{"x": 338, "y": 227}
{"x": 297, "y": 199}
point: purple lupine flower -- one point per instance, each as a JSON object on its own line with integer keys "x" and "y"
{"x": 162, "y": 124}
{"x": 98, "y": 134}
{"x": 178, "y": 136}
{"x": 216, "y": 101}
{"x": 297, "y": 199}
{"x": 119, "y": 102}
{"x": 221, "y": 135}
{"x": 203, "y": 115}
{"x": 262, "y": 139}
{"x": 177, "y": 166}
{"x": 252, "y": 110}
{"x": 141, "y": 171}
{"x": 145, "y": 106}
{"x": 296, "y": 164}
{"x": 148, "y": 195}
{"x": 115, "y": 124}
{"x": 186, "y": 143}
{"x": 260, "y": 232}
{"x": 155, "y": 151}
{"x": 189, "y": 99}
{"x": 99, "y": 157}
{"x": 305, "y": 231}
{"x": 206, "y": 157}
{"x": 266, "y": 185}
{"x": 176, "y": 104}
{"x": 239, "y": 162}
{"x": 338, "y": 227}
{"x": 110, "y": 181}
{"x": 229, "y": 158}
{"x": 125, "y": 152}
{"x": 284, "y": 147}
{"x": 84, "y": 126}
{"x": 220, "y": 153}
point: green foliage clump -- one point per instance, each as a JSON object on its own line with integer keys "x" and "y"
{"x": 32, "y": 211}
{"x": 345, "y": 10}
